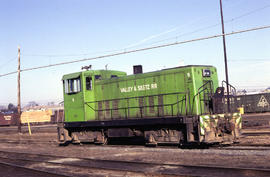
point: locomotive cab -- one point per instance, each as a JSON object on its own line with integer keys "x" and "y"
{"x": 80, "y": 93}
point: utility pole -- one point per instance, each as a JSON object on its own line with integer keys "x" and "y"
{"x": 19, "y": 91}
{"x": 225, "y": 57}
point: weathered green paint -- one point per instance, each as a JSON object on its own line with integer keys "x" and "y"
{"x": 141, "y": 90}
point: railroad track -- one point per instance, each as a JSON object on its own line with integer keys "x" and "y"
{"x": 257, "y": 147}
{"x": 11, "y": 169}
{"x": 259, "y": 133}
{"x": 72, "y": 166}
{"x": 245, "y": 148}
{"x": 29, "y": 141}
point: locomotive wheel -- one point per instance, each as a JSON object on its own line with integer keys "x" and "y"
{"x": 63, "y": 136}
{"x": 150, "y": 141}
{"x": 101, "y": 139}
{"x": 105, "y": 140}
{"x": 102, "y": 142}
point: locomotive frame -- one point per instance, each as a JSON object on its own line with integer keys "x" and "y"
{"x": 182, "y": 105}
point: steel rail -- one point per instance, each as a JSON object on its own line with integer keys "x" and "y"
{"x": 256, "y": 133}
{"x": 244, "y": 148}
{"x": 30, "y": 170}
{"x": 27, "y": 141}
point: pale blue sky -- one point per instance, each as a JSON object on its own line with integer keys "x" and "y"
{"x": 54, "y": 31}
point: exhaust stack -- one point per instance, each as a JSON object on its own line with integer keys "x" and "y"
{"x": 137, "y": 69}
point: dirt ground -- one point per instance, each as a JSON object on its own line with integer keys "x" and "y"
{"x": 44, "y": 140}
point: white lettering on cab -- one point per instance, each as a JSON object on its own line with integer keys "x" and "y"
{"x": 139, "y": 88}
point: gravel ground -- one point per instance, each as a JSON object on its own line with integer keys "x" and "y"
{"x": 213, "y": 157}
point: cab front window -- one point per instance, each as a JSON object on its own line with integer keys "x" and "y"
{"x": 72, "y": 85}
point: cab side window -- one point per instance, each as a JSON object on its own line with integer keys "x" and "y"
{"x": 88, "y": 83}
{"x": 72, "y": 86}
{"x": 97, "y": 77}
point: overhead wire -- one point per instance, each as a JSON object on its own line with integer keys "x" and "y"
{"x": 116, "y": 50}
{"x": 214, "y": 25}
{"x": 14, "y": 72}
{"x": 249, "y": 60}
{"x": 9, "y": 61}
{"x": 245, "y": 86}
{"x": 167, "y": 39}
{"x": 139, "y": 43}
{"x": 141, "y": 49}
{"x": 250, "y": 12}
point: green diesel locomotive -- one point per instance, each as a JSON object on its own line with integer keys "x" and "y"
{"x": 182, "y": 105}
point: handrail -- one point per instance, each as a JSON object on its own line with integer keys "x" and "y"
{"x": 231, "y": 87}
{"x": 127, "y": 98}
{"x": 232, "y": 94}
{"x": 183, "y": 100}
{"x": 203, "y": 87}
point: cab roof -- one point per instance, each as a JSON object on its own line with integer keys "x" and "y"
{"x": 77, "y": 74}
{"x": 92, "y": 72}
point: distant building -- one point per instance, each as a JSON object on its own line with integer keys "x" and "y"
{"x": 267, "y": 90}
{"x": 241, "y": 92}
{"x": 252, "y": 91}
{"x": 3, "y": 108}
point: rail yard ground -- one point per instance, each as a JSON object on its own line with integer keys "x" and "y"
{"x": 40, "y": 155}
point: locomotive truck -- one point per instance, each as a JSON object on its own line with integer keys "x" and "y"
{"x": 182, "y": 105}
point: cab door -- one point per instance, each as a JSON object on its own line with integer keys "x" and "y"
{"x": 89, "y": 97}
{"x": 208, "y": 88}
{"x": 73, "y": 99}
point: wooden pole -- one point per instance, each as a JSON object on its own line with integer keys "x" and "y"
{"x": 225, "y": 58}
{"x": 19, "y": 91}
